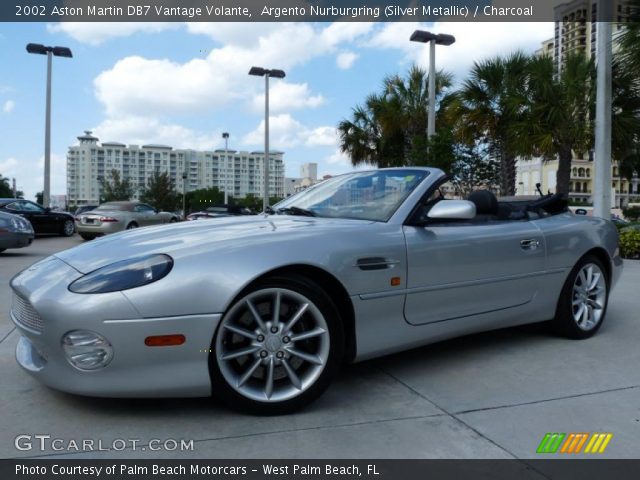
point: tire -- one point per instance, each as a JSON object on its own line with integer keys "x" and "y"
{"x": 68, "y": 228}
{"x": 87, "y": 237}
{"x": 580, "y": 312}
{"x": 266, "y": 370}
{"x": 173, "y": 220}
{"x": 132, "y": 225}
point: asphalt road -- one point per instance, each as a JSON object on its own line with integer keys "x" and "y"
{"x": 492, "y": 395}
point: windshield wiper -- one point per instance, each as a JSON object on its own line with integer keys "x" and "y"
{"x": 297, "y": 211}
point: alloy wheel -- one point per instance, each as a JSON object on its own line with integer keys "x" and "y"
{"x": 272, "y": 345}
{"x": 589, "y": 296}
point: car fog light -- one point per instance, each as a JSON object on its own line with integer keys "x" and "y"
{"x": 87, "y": 350}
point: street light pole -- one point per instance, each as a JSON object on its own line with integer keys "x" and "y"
{"x": 602, "y": 167}
{"x": 267, "y": 157}
{"x": 263, "y": 72}
{"x": 225, "y": 135}
{"x": 50, "y": 52}
{"x": 184, "y": 195}
{"x": 431, "y": 117}
{"x": 432, "y": 39}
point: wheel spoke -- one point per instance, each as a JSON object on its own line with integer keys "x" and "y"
{"x": 239, "y": 353}
{"x": 276, "y": 308}
{"x": 577, "y": 302}
{"x": 268, "y": 388}
{"x": 310, "y": 334}
{"x": 256, "y": 315}
{"x": 247, "y": 375}
{"x": 305, "y": 356}
{"x": 241, "y": 331}
{"x": 583, "y": 279}
{"x": 292, "y": 375}
{"x": 594, "y": 282}
{"x": 578, "y": 314}
{"x": 594, "y": 304}
{"x": 296, "y": 317}
{"x": 589, "y": 276}
{"x": 585, "y": 315}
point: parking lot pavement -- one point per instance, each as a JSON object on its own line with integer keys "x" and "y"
{"x": 492, "y": 395}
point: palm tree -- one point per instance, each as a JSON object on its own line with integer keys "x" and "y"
{"x": 629, "y": 40}
{"x": 489, "y": 110}
{"x": 390, "y": 128}
{"x": 560, "y": 109}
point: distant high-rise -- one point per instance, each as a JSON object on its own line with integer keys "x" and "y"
{"x": 309, "y": 170}
{"x": 238, "y": 172}
{"x": 577, "y": 24}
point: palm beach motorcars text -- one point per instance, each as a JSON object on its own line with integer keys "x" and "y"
{"x": 128, "y": 469}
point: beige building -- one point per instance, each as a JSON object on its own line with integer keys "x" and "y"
{"x": 237, "y": 172}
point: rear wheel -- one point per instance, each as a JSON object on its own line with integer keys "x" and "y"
{"x": 583, "y": 301}
{"x": 277, "y": 348}
{"x": 132, "y": 225}
{"x": 68, "y": 228}
{"x": 87, "y": 237}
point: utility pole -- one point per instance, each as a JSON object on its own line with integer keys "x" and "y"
{"x": 602, "y": 167}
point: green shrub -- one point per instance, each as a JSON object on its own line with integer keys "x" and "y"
{"x": 631, "y": 213}
{"x": 630, "y": 243}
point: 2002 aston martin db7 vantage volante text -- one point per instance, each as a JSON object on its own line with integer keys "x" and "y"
{"x": 262, "y": 310}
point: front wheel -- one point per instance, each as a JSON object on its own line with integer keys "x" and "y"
{"x": 583, "y": 301}
{"x": 277, "y": 348}
{"x": 68, "y": 228}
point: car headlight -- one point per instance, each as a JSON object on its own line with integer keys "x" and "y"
{"x": 87, "y": 350}
{"x": 21, "y": 225}
{"x": 124, "y": 275}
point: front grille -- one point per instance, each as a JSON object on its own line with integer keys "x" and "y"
{"x": 25, "y": 314}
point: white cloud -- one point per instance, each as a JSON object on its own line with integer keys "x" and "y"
{"x": 287, "y": 132}
{"x": 287, "y": 96}
{"x": 29, "y": 174}
{"x": 8, "y": 167}
{"x": 141, "y": 130}
{"x": 8, "y": 106}
{"x": 474, "y": 41}
{"x": 345, "y": 60}
{"x": 95, "y": 33}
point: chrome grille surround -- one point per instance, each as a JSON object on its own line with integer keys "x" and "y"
{"x": 25, "y": 314}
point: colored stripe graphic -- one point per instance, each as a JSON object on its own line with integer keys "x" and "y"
{"x": 550, "y": 443}
{"x": 573, "y": 442}
{"x": 598, "y": 443}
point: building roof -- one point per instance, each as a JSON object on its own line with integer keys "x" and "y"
{"x": 113, "y": 144}
{"x": 152, "y": 145}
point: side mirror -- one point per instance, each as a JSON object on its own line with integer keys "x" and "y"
{"x": 453, "y": 210}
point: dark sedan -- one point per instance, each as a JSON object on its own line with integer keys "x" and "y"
{"x": 43, "y": 220}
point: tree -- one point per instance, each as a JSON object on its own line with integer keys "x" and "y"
{"x": 473, "y": 168}
{"x": 390, "y": 128}
{"x": 488, "y": 108}
{"x": 197, "y": 200}
{"x": 560, "y": 111}
{"x": 629, "y": 41}
{"x": 160, "y": 192}
{"x": 5, "y": 188}
{"x": 114, "y": 188}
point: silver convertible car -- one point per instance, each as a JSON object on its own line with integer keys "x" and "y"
{"x": 262, "y": 310}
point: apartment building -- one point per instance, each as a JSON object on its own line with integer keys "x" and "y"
{"x": 239, "y": 173}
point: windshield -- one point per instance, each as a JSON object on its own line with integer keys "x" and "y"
{"x": 371, "y": 195}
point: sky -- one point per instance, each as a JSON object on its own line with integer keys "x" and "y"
{"x": 183, "y": 84}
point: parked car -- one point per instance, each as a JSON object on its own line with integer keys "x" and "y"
{"x": 43, "y": 220}
{"x": 15, "y": 231}
{"x": 262, "y": 310}
{"x": 84, "y": 208}
{"x": 114, "y": 217}
{"x": 216, "y": 211}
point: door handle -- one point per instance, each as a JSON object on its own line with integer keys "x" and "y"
{"x": 529, "y": 244}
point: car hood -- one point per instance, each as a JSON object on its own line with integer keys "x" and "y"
{"x": 188, "y": 237}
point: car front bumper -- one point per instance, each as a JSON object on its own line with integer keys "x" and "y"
{"x": 15, "y": 239}
{"x": 136, "y": 370}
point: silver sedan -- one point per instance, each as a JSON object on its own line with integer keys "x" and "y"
{"x": 15, "y": 231}
{"x": 112, "y": 217}
{"x": 262, "y": 310}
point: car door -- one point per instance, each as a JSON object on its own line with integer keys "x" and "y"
{"x": 32, "y": 212}
{"x": 461, "y": 269}
{"x": 147, "y": 213}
